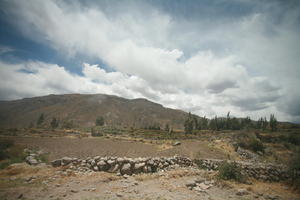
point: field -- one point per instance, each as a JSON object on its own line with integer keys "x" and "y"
{"x": 23, "y": 181}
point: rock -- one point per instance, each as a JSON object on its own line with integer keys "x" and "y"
{"x": 95, "y": 168}
{"x": 203, "y": 186}
{"x": 114, "y": 169}
{"x": 119, "y": 195}
{"x": 191, "y": 184}
{"x": 126, "y": 169}
{"x": 31, "y": 160}
{"x": 242, "y": 192}
{"x": 56, "y": 163}
{"x": 111, "y": 162}
{"x": 176, "y": 143}
{"x": 138, "y": 167}
{"x": 66, "y": 160}
{"x": 74, "y": 190}
{"x": 199, "y": 180}
{"x": 102, "y": 165}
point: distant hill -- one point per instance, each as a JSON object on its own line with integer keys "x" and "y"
{"x": 83, "y": 110}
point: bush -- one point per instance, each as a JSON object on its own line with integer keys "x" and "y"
{"x": 10, "y": 153}
{"x": 294, "y": 171}
{"x": 256, "y": 145}
{"x": 100, "y": 121}
{"x": 4, "y": 145}
{"x": 230, "y": 171}
{"x": 294, "y": 138}
{"x": 96, "y": 133}
{"x": 251, "y": 142}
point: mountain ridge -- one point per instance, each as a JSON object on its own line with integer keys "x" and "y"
{"x": 83, "y": 109}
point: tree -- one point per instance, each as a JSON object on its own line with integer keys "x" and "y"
{"x": 214, "y": 124}
{"x": 100, "y": 121}
{"x": 167, "y": 128}
{"x": 204, "y": 123}
{"x": 228, "y": 124}
{"x": 246, "y": 122}
{"x": 265, "y": 124}
{"x": 54, "y": 123}
{"x": 188, "y": 125}
{"x": 273, "y": 122}
{"x": 40, "y": 120}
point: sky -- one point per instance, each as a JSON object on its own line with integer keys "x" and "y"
{"x": 207, "y": 57}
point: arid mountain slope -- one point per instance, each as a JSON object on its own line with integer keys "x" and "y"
{"x": 84, "y": 109}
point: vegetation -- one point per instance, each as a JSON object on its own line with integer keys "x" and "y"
{"x": 100, "y": 121}
{"x": 294, "y": 170}
{"x": 273, "y": 123}
{"x": 96, "y": 132}
{"x": 230, "y": 171}
{"x": 68, "y": 124}
{"x": 189, "y": 125}
{"x": 40, "y": 120}
{"x": 250, "y": 142}
{"x": 54, "y": 123}
{"x": 10, "y": 153}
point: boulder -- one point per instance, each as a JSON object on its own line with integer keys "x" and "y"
{"x": 126, "y": 169}
{"x": 114, "y": 169}
{"x": 66, "y": 160}
{"x": 242, "y": 192}
{"x": 31, "y": 160}
{"x": 56, "y": 163}
{"x": 103, "y": 166}
{"x": 177, "y": 143}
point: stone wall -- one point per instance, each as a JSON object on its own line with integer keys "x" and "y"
{"x": 129, "y": 166}
{"x": 260, "y": 171}
{"x": 123, "y": 166}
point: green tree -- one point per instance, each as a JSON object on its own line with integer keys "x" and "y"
{"x": 273, "y": 122}
{"x": 40, "y": 120}
{"x": 54, "y": 123}
{"x": 204, "y": 123}
{"x": 100, "y": 121}
{"x": 214, "y": 124}
{"x": 188, "y": 125}
{"x": 228, "y": 121}
{"x": 167, "y": 128}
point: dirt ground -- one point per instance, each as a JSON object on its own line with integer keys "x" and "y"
{"x": 85, "y": 147}
{"x": 48, "y": 183}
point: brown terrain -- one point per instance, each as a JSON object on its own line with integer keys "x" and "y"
{"x": 123, "y": 136}
{"x": 84, "y": 109}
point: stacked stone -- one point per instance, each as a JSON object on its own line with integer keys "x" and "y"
{"x": 261, "y": 171}
{"x": 122, "y": 165}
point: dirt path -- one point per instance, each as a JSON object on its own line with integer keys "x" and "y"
{"x": 85, "y": 147}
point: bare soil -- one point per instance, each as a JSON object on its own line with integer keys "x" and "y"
{"x": 85, "y": 147}
{"x": 48, "y": 184}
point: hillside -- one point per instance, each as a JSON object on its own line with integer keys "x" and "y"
{"x": 83, "y": 109}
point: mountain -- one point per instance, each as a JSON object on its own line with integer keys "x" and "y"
{"x": 83, "y": 109}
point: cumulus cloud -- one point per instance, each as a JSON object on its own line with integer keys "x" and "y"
{"x": 208, "y": 67}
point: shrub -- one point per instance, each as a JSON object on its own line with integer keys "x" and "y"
{"x": 230, "y": 171}
{"x": 294, "y": 138}
{"x": 256, "y": 145}
{"x": 251, "y": 142}
{"x": 95, "y": 132}
{"x": 100, "y": 121}
{"x": 10, "y": 153}
{"x": 4, "y": 145}
{"x": 294, "y": 170}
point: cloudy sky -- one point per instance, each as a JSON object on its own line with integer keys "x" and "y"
{"x": 208, "y": 57}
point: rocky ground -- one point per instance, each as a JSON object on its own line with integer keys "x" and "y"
{"x": 23, "y": 181}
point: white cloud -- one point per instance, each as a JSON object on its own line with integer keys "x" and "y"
{"x": 236, "y": 66}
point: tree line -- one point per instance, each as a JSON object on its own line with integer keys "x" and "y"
{"x": 193, "y": 122}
